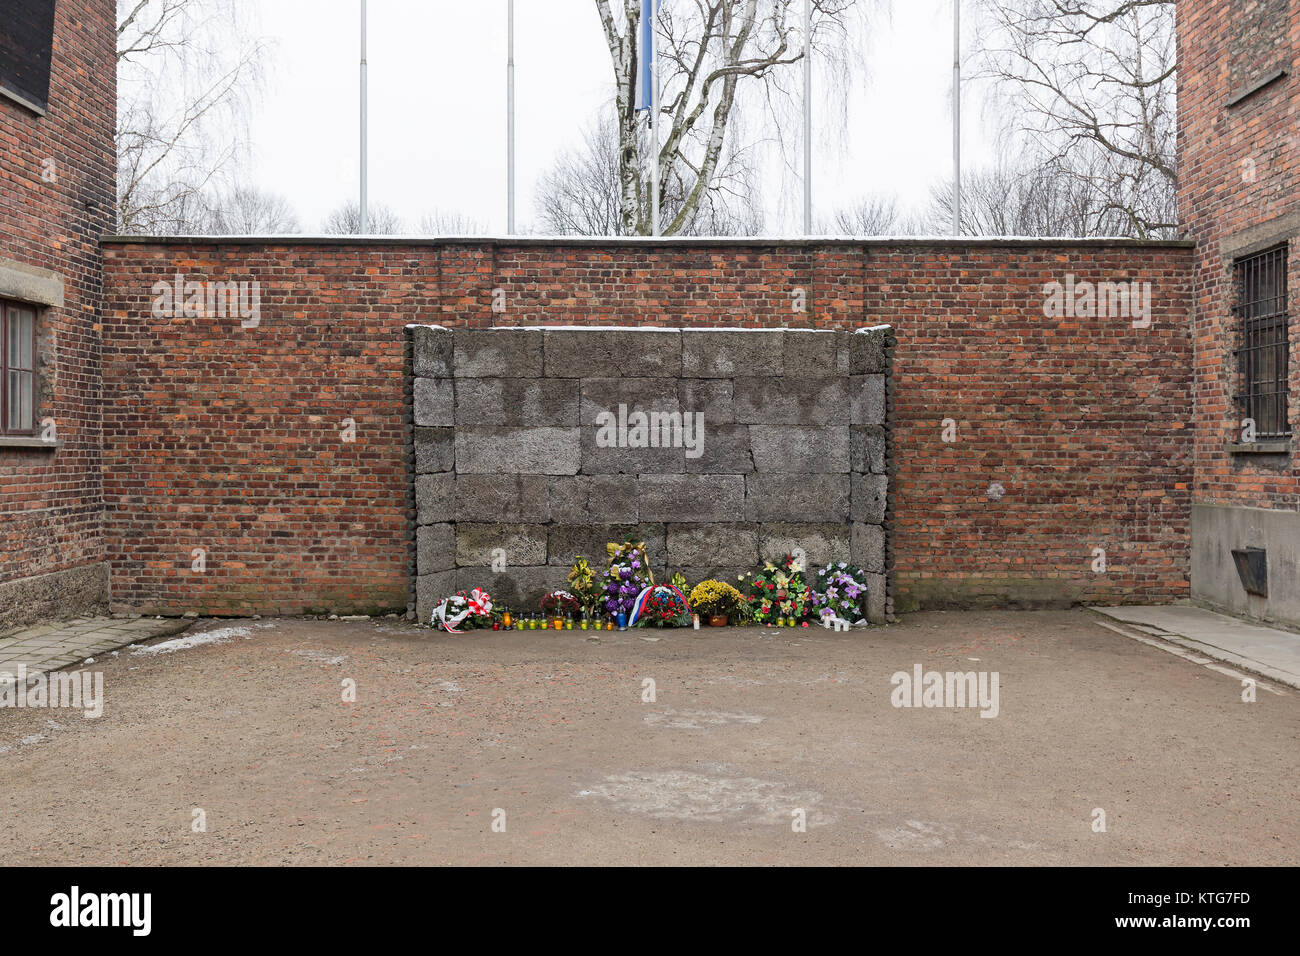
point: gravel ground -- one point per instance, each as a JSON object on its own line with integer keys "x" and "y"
{"x": 549, "y": 734}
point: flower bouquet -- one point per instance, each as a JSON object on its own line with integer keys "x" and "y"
{"x": 560, "y": 604}
{"x": 582, "y": 579}
{"x": 776, "y": 592}
{"x": 627, "y": 575}
{"x": 463, "y": 611}
{"x": 662, "y": 606}
{"x": 840, "y": 591}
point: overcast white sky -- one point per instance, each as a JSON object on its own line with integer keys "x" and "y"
{"x": 438, "y": 119}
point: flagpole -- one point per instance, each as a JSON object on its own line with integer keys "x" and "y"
{"x": 807, "y": 117}
{"x": 654, "y": 125}
{"x": 364, "y": 218}
{"x": 510, "y": 121}
{"x": 956, "y": 117}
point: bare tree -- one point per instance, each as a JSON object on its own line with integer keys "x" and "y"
{"x": 581, "y": 194}
{"x": 1093, "y": 85}
{"x": 346, "y": 220}
{"x": 247, "y": 211}
{"x": 185, "y": 71}
{"x": 1026, "y": 198}
{"x": 715, "y": 55}
{"x": 870, "y": 216}
{"x": 442, "y": 223}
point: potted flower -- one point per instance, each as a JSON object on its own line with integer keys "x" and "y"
{"x": 716, "y": 601}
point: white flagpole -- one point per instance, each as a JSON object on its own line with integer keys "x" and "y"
{"x": 807, "y": 117}
{"x": 510, "y": 121}
{"x": 956, "y": 117}
{"x": 364, "y": 218}
{"x": 654, "y": 126}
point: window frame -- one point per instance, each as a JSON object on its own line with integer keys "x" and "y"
{"x": 1263, "y": 342}
{"x": 8, "y": 309}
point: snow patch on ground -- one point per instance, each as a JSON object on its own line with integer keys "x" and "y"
{"x": 697, "y": 719}
{"x": 702, "y": 798}
{"x": 319, "y": 657}
{"x": 221, "y": 635}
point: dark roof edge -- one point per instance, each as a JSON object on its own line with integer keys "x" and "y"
{"x": 667, "y": 242}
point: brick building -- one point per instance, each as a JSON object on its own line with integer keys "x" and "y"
{"x": 1239, "y": 199}
{"x": 57, "y": 166}
{"x": 197, "y": 461}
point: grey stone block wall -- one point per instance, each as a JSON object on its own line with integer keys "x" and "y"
{"x": 511, "y": 480}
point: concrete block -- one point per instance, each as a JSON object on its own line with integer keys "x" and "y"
{"x": 712, "y": 545}
{"x": 811, "y": 353}
{"x": 870, "y": 498}
{"x": 876, "y": 589}
{"x": 708, "y": 353}
{"x": 489, "y": 449}
{"x": 502, "y": 497}
{"x": 566, "y": 542}
{"x": 430, "y": 589}
{"x": 800, "y": 498}
{"x": 800, "y": 448}
{"x": 867, "y": 354}
{"x": 770, "y": 400}
{"x": 594, "y": 499}
{"x": 714, "y": 397}
{"x": 435, "y": 498}
{"x": 431, "y": 352}
{"x": 724, "y": 451}
{"x": 435, "y": 548}
{"x": 497, "y": 353}
{"x": 867, "y": 449}
{"x": 868, "y": 547}
{"x": 435, "y": 449}
{"x": 518, "y": 588}
{"x": 435, "y": 401}
{"x": 613, "y": 353}
{"x": 867, "y": 399}
{"x": 605, "y": 395}
{"x": 621, "y": 460}
{"x": 691, "y": 498}
{"x": 821, "y": 543}
{"x": 517, "y": 401}
{"x": 515, "y": 544}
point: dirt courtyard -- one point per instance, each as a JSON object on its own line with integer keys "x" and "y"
{"x": 242, "y": 750}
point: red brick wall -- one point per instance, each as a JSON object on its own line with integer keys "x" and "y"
{"x": 1239, "y": 187}
{"x": 51, "y": 502}
{"x": 227, "y": 438}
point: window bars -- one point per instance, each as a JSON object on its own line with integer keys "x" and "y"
{"x": 1262, "y": 356}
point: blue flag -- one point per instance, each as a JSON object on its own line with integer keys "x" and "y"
{"x": 645, "y": 93}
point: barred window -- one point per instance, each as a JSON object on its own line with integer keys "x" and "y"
{"x": 17, "y": 369}
{"x": 1262, "y": 356}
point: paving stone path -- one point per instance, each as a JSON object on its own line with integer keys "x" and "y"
{"x": 49, "y": 647}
